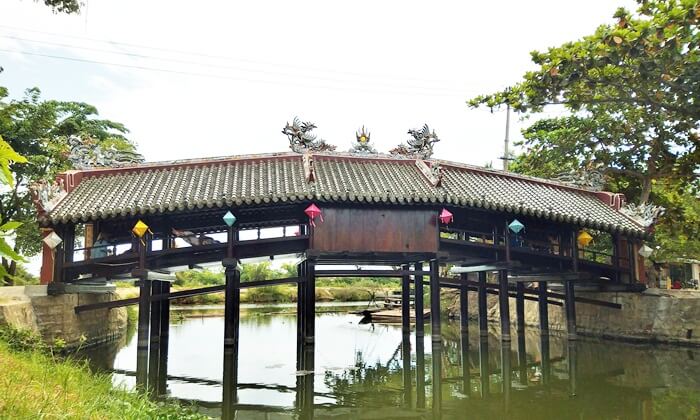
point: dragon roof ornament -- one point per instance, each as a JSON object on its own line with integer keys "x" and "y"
{"x": 420, "y": 145}
{"x": 86, "y": 153}
{"x": 302, "y": 140}
{"x": 591, "y": 179}
{"x": 644, "y": 213}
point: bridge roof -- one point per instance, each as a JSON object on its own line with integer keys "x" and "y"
{"x": 178, "y": 186}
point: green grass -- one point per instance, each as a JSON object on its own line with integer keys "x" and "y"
{"x": 36, "y": 384}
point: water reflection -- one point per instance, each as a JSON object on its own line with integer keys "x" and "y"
{"x": 376, "y": 371}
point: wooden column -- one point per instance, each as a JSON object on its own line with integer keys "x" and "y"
{"x": 420, "y": 370}
{"x": 503, "y": 305}
{"x": 466, "y": 374}
{"x": 418, "y": 302}
{"x": 405, "y": 301}
{"x": 544, "y": 330}
{"x": 435, "y": 301}
{"x": 437, "y": 378}
{"x": 464, "y": 305}
{"x": 569, "y": 292}
{"x": 520, "y": 307}
{"x": 144, "y": 318}
{"x": 506, "y": 372}
{"x": 301, "y": 313}
{"x": 164, "y": 340}
{"x": 154, "y": 345}
{"x": 406, "y": 369}
{"x": 573, "y": 367}
{"x": 484, "y": 372}
{"x": 68, "y": 247}
{"x": 310, "y": 317}
{"x": 522, "y": 359}
{"x": 483, "y": 315}
{"x": 232, "y": 302}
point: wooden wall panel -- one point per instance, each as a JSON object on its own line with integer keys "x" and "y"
{"x": 376, "y": 230}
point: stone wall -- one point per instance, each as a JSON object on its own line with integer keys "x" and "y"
{"x": 54, "y": 317}
{"x": 655, "y": 315}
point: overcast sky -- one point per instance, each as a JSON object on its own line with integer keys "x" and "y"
{"x": 212, "y": 78}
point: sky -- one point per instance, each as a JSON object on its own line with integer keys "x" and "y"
{"x": 215, "y": 78}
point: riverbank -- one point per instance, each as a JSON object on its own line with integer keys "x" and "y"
{"x": 37, "y": 384}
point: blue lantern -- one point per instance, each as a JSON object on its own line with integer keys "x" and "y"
{"x": 515, "y": 226}
{"x": 229, "y": 219}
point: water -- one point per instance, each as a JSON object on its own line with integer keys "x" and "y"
{"x": 361, "y": 371}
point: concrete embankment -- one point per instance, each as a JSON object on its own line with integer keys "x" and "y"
{"x": 54, "y": 318}
{"x": 652, "y": 316}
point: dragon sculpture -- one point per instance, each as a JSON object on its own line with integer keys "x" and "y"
{"x": 586, "y": 178}
{"x": 301, "y": 139}
{"x": 420, "y": 145}
{"x": 644, "y": 213}
{"x": 362, "y": 145}
{"x": 85, "y": 153}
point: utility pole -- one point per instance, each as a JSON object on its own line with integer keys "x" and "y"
{"x": 506, "y": 141}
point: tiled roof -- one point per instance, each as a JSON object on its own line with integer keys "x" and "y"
{"x": 179, "y": 186}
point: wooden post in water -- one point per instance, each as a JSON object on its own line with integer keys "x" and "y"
{"x": 418, "y": 302}
{"x": 503, "y": 305}
{"x": 232, "y": 305}
{"x": 406, "y": 369}
{"x": 464, "y": 305}
{"x": 154, "y": 349}
{"x": 143, "y": 321}
{"x": 520, "y": 314}
{"x": 437, "y": 378}
{"x": 506, "y": 372}
{"x": 484, "y": 372}
{"x": 544, "y": 331}
{"x": 405, "y": 302}
{"x": 164, "y": 340}
{"x": 310, "y": 317}
{"x": 466, "y": 374}
{"x": 301, "y": 313}
{"x": 435, "y": 301}
{"x": 483, "y": 315}
{"x": 420, "y": 370}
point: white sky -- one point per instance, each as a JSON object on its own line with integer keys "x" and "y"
{"x": 235, "y": 72}
{"x": 245, "y": 68}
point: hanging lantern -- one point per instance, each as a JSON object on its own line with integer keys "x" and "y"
{"x": 313, "y": 212}
{"x": 515, "y": 226}
{"x": 645, "y": 251}
{"x": 140, "y": 229}
{"x": 584, "y": 238}
{"x": 445, "y": 217}
{"x": 229, "y": 219}
{"x": 52, "y": 240}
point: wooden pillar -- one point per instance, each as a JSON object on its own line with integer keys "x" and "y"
{"x": 46, "y": 275}
{"x": 144, "y": 318}
{"x": 232, "y": 302}
{"x": 466, "y": 374}
{"x": 522, "y": 359}
{"x": 418, "y": 302}
{"x": 520, "y": 307}
{"x": 464, "y": 305}
{"x": 506, "y": 372}
{"x": 435, "y": 301}
{"x": 569, "y": 292}
{"x": 310, "y": 317}
{"x": 405, "y": 302}
{"x": 164, "y": 340}
{"x": 301, "y": 313}
{"x": 544, "y": 330}
{"x": 69, "y": 247}
{"x": 154, "y": 345}
{"x": 573, "y": 367}
{"x": 437, "y": 379}
{"x": 483, "y": 315}
{"x": 503, "y": 305}
{"x": 484, "y": 372}
{"x": 406, "y": 369}
{"x": 616, "y": 256}
{"x": 420, "y": 370}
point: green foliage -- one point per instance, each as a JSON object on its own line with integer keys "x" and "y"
{"x": 8, "y": 156}
{"x": 677, "y": 235}
{"x": 632, "y": 90}
{"x": 39, "y": 130}
{"x": 64, "y": 6}
{"x": 199, "y": 278}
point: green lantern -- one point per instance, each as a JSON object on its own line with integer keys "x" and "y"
{"x": 229, "y": 219}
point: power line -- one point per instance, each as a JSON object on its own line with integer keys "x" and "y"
{"x": 215, "y": 56}
{"x": 241, "y": 69}
{"x": 216, "y": 76}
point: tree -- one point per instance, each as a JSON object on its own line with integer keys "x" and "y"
{"x": 632, "y": 90}
{"x": 64, "y": 6}
{"x": 40, "y": 130}
{"x": 7, "y": 157}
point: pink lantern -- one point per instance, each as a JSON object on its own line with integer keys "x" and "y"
{"x": 445, "y": 217}
{"x": 313, "y": 212}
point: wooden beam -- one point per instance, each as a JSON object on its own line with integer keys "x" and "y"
{"x": 369, "y": 273}
{"x": 550, "y": 277}
{"x": 495, "y": 266}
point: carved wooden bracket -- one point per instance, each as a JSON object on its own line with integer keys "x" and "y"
{"x": 432, "y": 171}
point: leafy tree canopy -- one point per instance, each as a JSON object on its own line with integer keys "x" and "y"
{"x": 64, "y": 6}
{"x": 632, "y": 88}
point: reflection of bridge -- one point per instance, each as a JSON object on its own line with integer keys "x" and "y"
{"x": 412, "y": 215}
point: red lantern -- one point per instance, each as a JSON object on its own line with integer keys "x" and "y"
{"x": 445, "y": 217}
{"x": 313, "y": 212}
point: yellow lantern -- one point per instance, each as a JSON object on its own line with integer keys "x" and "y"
{"x": 140, "y": 229}
{"x": 584, "y": 238}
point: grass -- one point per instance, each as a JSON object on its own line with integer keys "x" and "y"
{"x": 36, "y": 384}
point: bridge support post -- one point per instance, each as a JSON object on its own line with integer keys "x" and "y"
{"x": 466, "y": 374}
{"x": 420, "y": 370}
{"x": 164, "y": 340}
{"x": 464, "y": 306}
{"x": 232, "y": 303}
{"x": 405, "y": 302}
{"x": 310, "y": 301}
{"x": 544, "y": 330}
{"x": 154, "y": 346}
{"x": 406, "y": 369}
{"x": 520, "y": 313}
{"x": 144, "y": 319}
{"x": 484, "y": 372}
{"x": 418, "y": 302}
{"x": 503, "y": 305}
{"x": 483, "y": 320}
{"x": 435, "y": 301}
{"x": 437, "y": 378}
{"x": 301, "y": 313}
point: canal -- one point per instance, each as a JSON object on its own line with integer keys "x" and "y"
{"x": 362, "y": 370}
